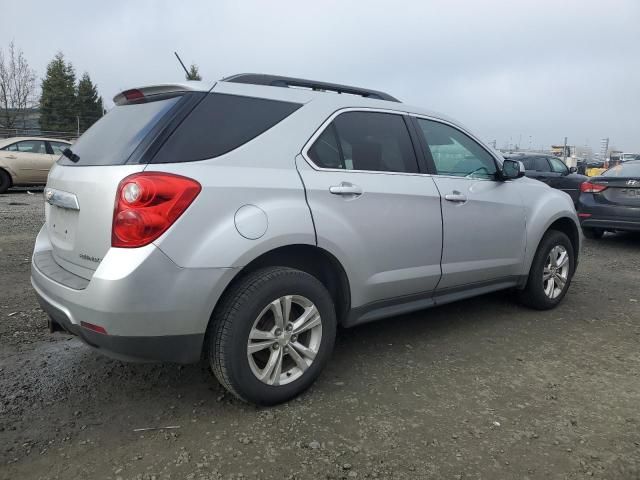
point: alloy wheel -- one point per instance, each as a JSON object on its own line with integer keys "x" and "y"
{"x": 556, "y": 271}
{"x": 284, "y": 340}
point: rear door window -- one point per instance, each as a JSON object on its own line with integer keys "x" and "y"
{"x": 113, "y": 138}
{"x": 368, "y": 141}
{"x": 542, "y": 165}
{"x": 221, "y": 123}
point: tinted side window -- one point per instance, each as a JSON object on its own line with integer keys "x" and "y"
{"x": 456, "y": 154}
{"x": 542, "y": 165}
{"x": 528, "y": 162}
{"x": 221, "y": 123}
{"x": 369, "y": 141}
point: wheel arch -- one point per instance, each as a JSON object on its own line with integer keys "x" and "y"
{"x": 311, "y": 259}
{"x": 563, "y": 223}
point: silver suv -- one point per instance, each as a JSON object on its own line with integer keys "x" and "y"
{"x": 243, "y": 222}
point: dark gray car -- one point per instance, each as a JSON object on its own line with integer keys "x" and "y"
{"x": 552, "y": 171}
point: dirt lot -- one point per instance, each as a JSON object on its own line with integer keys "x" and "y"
{"x": 479, "y": 389}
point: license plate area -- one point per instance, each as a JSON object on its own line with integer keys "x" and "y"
{"x": 62, "y": 226}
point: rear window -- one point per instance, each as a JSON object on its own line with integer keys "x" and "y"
{"x": 221, "y": 123}
{"x": 631, "y": 169}
{"x": 113, "y": 138}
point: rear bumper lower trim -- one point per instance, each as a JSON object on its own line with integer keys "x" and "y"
{"x": 169, "y": 348}
{"x": 610, "y": 224}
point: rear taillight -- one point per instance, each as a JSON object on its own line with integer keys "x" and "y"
{"x": 132, "y": 95}
{"x": 147, "y": 204}
{"x": 588, "y": 187}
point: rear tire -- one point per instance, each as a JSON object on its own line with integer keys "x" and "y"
{"x": 5, "y": 181}
{"x": 551, "y": 272}
{"x": 299, "y": 345}
{"x": 593, "y": 233}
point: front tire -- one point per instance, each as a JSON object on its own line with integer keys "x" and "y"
{"x": 551, "y": 272}
{"x": 271, "y": 335}
{"x": 5, "y": 181}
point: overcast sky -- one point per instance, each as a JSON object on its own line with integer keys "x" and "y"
{"x": 508, "y": 69}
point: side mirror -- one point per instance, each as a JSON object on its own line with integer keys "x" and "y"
{"x": 512, "y": 169}
{"x": 573, "y": 169}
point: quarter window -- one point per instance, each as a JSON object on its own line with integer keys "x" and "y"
{"x": 369, "y": 141}
{"x": 221, "y": 123}
{"x": 455, "y": 153}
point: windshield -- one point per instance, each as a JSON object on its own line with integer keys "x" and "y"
{"x": 112, "y": 139}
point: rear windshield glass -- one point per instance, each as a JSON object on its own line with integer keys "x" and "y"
{"x": 221, "y": 123}
{"x": 631, "y": 169}
{"x": 113, "y": 138}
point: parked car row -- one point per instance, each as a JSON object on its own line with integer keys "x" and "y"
{"x": 607, "y": 202}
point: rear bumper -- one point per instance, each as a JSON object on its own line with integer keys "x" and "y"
{"x": 168, "y": 348}
{"x": 607, "y": 216}
{"x": 151, "y": 309}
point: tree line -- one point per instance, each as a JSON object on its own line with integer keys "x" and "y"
{"x": 66, "y": 104}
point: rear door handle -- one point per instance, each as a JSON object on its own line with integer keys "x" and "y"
{"x": 12, "y": 157}
{"x": 345, "y": 189}
{"x": 456, "y": 197}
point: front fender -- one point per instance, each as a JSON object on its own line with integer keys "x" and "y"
{"x": 544, "y": 207}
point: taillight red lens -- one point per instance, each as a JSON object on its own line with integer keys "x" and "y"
{"x": 588, "y": 187}
{"x": 147, "y": 204}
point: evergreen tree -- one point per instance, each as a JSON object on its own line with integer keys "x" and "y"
{"x": 58, "y": 99}
{"x": 193, "y": 74}
{"x": 89, "y": 104}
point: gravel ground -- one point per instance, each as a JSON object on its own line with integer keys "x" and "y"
{"x": 479, "y": 389}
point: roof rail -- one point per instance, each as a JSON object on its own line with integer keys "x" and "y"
{"x": 279, "y": 81}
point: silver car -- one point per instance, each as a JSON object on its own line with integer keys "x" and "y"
{"x": 243, "y": 222}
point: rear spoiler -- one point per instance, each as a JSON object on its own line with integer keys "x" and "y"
{"x": 136, "y": 95}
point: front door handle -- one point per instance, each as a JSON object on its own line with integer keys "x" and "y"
{"x": 456, "y": 197}
{"x": 345, "y": 189}
{"x": 11, "y": 157}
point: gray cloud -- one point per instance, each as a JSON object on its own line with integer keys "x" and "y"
{"x": 507, "y": 69}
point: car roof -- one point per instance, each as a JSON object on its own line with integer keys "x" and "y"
{"x": 293, "y": 94}
{"x": 9, "y": 141}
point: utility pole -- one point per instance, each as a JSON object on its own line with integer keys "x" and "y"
{"x": 564, "y": 151}
{"x": 78, "y": 118}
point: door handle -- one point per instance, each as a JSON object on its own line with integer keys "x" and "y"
{"x": 345, "y": 189}
{"x": 11, "y": 157}
{"x": 456, "y": 197}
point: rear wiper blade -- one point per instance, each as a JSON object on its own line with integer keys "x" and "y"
{"x": 70, "y": 155}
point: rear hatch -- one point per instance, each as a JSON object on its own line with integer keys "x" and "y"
{"x": 80, "y": 194}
